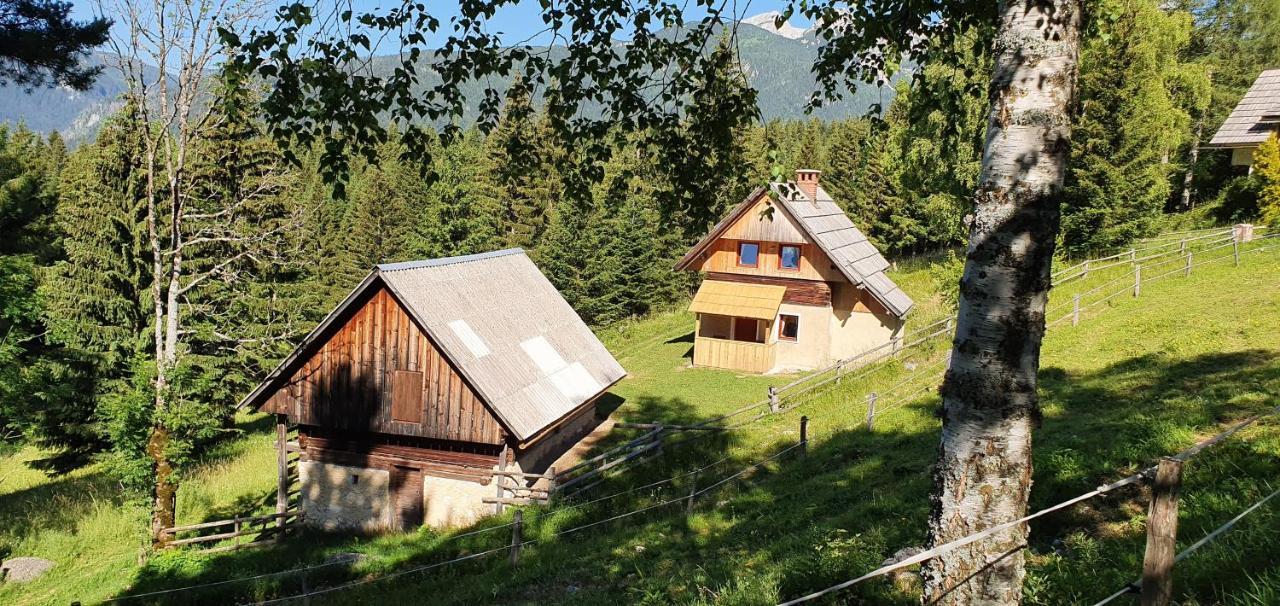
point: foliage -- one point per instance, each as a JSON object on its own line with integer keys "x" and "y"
{"x": 1134, "y": 382}
{"x": 1137, "y": 96}
{"x": 1266, "y": 163}
{"x": 41, "y": 45}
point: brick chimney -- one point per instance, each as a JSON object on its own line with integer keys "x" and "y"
{"x": 807, "y": 181}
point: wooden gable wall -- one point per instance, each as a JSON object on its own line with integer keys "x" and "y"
{"x": 771, "y": 230}
{"x": 378, "y": 372}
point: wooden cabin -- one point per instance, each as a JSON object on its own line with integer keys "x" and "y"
{"x": 790, "y": 284}
{"x": 1253, "y": 120}
{"x": 428, "y": 378}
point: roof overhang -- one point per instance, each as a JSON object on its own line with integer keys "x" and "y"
{"x": 759, "y": 301}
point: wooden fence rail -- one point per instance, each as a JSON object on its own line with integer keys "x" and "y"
{"x": 264, "y": 525}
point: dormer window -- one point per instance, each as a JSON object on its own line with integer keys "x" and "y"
{"x": 789, "y": 257}
{"x": 748, "y": 254}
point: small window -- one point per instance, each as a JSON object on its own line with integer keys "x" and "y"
{"x": 788, "y": 327}
{"x": 789, "y": 257}
{"x": 748, "y": 254}
{"x": 355, "y": 479}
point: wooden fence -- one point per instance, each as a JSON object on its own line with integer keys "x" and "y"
{"x": 265, "y": 528}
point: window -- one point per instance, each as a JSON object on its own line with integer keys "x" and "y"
{"x": 788, "y": 327}
{"x": 789, "y": 257}
{"x": 407, "y": 400}
{"x": 748, "y": 254}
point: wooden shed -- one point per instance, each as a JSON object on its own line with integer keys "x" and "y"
{"x": 425, "y": 380}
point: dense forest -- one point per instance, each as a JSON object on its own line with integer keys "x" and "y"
{"x": 274, "y": 247}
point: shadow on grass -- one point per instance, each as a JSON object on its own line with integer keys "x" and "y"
{"x": 804, "y": 522}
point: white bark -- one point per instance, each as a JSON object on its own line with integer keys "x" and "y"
{"x": 179, "y": 37}
{"x": 983, "y": 472}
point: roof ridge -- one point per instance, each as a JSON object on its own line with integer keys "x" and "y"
{"x": 403, "y": 265}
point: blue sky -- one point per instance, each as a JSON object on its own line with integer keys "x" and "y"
{"x": 516, "y": 23}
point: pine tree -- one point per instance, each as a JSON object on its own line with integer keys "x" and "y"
{"x": 1129, "y": 125}
{"x": 518, "y": 164}
{"x": 248, "y": 315}
{"x": 94, "y": 295}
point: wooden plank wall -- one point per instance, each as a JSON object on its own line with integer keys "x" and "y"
{"x": 734, "y": 355}
{"x": 803, "y": 292}
{"x": 347, "y": 382}
{"x": 814, "y": 264}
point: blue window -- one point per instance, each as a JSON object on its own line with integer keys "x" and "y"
{"x": 748, "y": 254}
{"x": 789, "y": 257}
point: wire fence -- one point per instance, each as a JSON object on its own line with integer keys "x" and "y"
{"x": 907, "y": 389}
{"x": 1142, "y": 476}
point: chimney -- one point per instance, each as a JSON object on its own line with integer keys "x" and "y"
{"x": 807, "y": 181}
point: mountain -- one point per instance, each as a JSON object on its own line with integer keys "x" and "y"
{"x": 766, "y": 21}
{"x": 776, "y": 61}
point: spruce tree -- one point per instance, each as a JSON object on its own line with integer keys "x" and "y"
{"x": 95, "y": 294}
{"x": 1129, "y": 124}
{"x": 516, "y": 157}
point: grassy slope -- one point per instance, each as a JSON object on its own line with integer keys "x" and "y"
{"x": 1131, "y": 383}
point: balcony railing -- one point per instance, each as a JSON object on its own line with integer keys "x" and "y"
{"x": 733, "y": 355}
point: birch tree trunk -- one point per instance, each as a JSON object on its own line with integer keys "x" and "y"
{"x": 1189, "y": 178}
{"x": 983, "y": 470}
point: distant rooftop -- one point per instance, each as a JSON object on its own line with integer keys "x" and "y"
{"x": 1254, "y": 118}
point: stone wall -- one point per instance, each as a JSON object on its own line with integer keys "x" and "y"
{"x": 338, "y": 497}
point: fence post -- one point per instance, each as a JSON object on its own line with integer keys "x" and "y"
{"x": 949, "y": 321}
{"x": 1133, "y": 256}
{"x": 804, "y": 435}
{"x": 1183, "y": 247}
{"x": 1162, "y": 533}
{"x": 1235, "y": 250}
{"x": 1075, "y": 310}
{"x": 517, "y": 537}
{"x": 693, "y": 491}
{"x": 871, "y": 410}
{"x": 839, "y": 371}
{"x": 773, "y": 399}
{"x": 306, "y": 590}
{"x": 1137, "y": 280}
{"x": 1085, "y": 274}
{"x": 1187, "y": 273}
{"x": 551, "y": 485}
{"x": 497, "y": 480}
{"x": 282, "y": 473}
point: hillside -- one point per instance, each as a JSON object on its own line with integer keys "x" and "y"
{"x": 776, "y": 65}
{"x": 1137, "y": 379}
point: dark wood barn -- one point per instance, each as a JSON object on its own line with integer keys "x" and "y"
{"x": 425, "y": 380}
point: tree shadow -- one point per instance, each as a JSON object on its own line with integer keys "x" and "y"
{"x": 59, "y": 504}
{"x": 851, "y": 500}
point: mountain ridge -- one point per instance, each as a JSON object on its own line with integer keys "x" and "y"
{"x": 776, "y": 62}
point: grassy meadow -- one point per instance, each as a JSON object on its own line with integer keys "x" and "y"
{"x": 1137, "y": 379}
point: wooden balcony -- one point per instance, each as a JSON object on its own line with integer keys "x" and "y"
{"x": 733, "y": 355}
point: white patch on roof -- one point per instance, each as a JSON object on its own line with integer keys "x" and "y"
{"x": 544, "y": 355}
{"x": 469, "y": 338}
{"x": 575, "y": 382}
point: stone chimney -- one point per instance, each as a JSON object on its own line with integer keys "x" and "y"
{"x": 807, "y": 181}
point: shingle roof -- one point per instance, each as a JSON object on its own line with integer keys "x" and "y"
{"x": 508, "y": 331}
{"x": 831, "y": 229}
{"x": 1241, "y": 129}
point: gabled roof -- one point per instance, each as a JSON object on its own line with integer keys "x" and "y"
{"x": 1245, "y": 126}
{"x": 502, "y": 324}
{"x": 826, "y": 224}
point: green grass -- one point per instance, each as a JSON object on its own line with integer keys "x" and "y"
{"x": 1137, "y": 379}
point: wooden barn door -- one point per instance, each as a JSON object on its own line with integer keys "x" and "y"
{"x": 406, "y": 498}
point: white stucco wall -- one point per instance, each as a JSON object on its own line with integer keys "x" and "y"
{"x": 812, "y": 347}
{"x": 852, "y": 331}
{"x": 338, "y": 497}
{"x": 1242, "y": 156}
